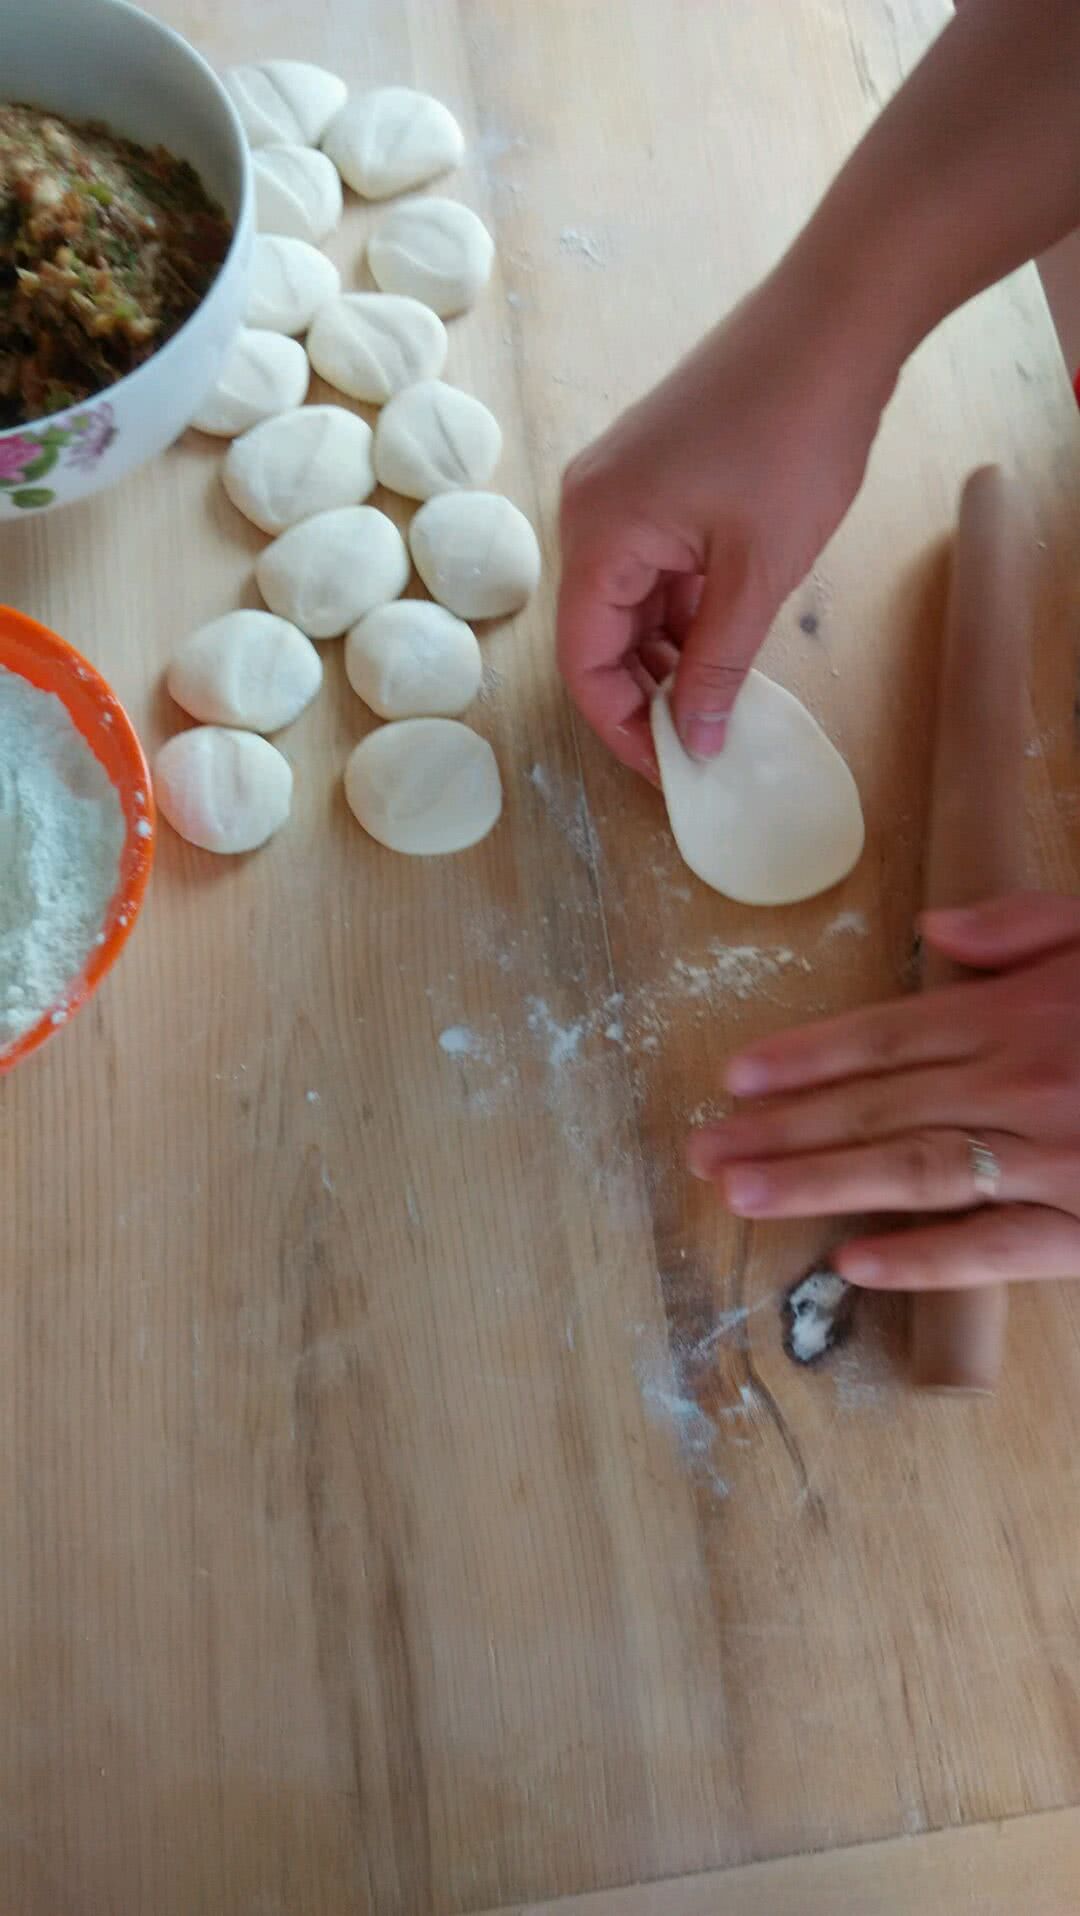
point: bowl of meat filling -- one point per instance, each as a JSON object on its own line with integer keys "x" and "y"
{"x": 126, "y": 222}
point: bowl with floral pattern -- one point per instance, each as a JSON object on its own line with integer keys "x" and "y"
{"x": 106, "y": 61}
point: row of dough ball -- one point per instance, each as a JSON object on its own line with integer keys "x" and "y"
{"x": 382, "y": 142}
{"x": 423, "y": 783}
{"x": 422, "y": 786}
{"x": 371, "y": 346}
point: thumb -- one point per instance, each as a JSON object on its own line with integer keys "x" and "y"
{"x": 1004, "y": 931}
{"x": 716, "y": 655}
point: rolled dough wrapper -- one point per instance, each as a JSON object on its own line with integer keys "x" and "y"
{"x": 391, "y": 139}
{"x": 424, "y": 785}
{"x": 776, "y": 817}
{"x": 222, "y": 790}
{"x": 433, "y": 250}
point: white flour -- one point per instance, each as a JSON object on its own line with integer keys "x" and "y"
{"x": 61, "y": 835}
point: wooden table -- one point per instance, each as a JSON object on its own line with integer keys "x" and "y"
{"x": 407, "y": 1504}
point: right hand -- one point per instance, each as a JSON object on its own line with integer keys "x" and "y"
{"x": 688, "y": 523}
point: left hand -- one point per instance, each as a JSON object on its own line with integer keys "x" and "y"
{"x": 877, "y": 1111}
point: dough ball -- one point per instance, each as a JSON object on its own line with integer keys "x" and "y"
{"x": 248, "y": 669}
{"x": 370, "y": 345}
{"x": 297, "y": 192}
{"x": 413, "y": 659}
{"x": 325, "y": 573}
{"x": 290, "y": 280}
{"x": 434, "y": 250}
{"x": 284, "y": 101}
{"x": 476, "y": 553}
{"x": 303, "y": 462}
{"x": 424, "y": 785}
{"x": 776, "y": 818}
{"x": 391, "y": 139}
{"x": 222, "y": 790}
{"x": 432, "y": 438}
{"x": 264, "y": 373}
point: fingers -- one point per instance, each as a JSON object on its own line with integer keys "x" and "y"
{"x": 717, "y": 653}
{"x": 595, "y": 652}
{"x": 939, "y": 1027}
{"x": 1018, "y": 1244}
{"x": 928, "y": 1170}
{"x": 853, "y": 1114}
{"x": 1004, "y": 931}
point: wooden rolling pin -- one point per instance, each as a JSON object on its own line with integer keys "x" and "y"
{"x": 976, "y": 838}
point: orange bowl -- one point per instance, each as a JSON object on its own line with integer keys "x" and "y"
{"x": 38, "y": 655}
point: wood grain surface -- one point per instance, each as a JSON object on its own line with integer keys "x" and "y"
{"x": 407, "y": 1504}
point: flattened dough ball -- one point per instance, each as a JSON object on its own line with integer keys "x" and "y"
{"x": 297, "y": 192}
{"x": 433, "y": 438}
{"x": 424, "y": 785}
{"x": 390, "y": 139}
{"x": 290, "y": 280}
{"x": 434, "y": 250}
{"x": 370, "y": 345}
{"x": 325, "y": 573}
{"x": 413, "y": 659}
{"x": 476, "y": 553}
{"x": 284, "y": 101}
{"x": 310, "y": 460}
{"x": 222, "y": 790}
{"x": 776, "y": 818}
{"x": 264, "y": 373}
{"x": 247, "y": 669}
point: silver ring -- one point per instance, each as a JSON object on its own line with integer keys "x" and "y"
{"x": 985, "y": 1169}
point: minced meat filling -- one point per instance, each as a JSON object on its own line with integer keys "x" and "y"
{"x": 105, "y": 249}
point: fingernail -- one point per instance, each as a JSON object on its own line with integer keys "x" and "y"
{"x": 747, "y": 1191}
{"x": 747, "y": 1077}
{"x": 860, "y": 1267}
{"x": 699, "y": 1158}
{"x": 704, "y": 737}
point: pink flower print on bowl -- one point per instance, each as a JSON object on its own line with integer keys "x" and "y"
{"x": 16, "y": 454}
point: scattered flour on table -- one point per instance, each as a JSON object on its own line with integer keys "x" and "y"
{"x": 573, "y": 241}
{"x": 848, "y": 924}
{"x": 570, "y": 813}
{"x": 61, "y": 836}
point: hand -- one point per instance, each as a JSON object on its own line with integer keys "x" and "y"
{"x": 875, "y": 1111}
{"x": 687, "y": 524}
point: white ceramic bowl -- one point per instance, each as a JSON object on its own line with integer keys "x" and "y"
{"x": 106, "y": 60}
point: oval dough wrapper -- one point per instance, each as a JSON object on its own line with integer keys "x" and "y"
{"x": 434, "y": 250}
{"x": 303, "y": 462}
{"x": 433, "y": 438}
{"x": 222, "y": 790}
{"x": 325, "y": 573}
{"x": 476, "y": 553}
{"x": 424, "y": 785}
{"x": 776, "y": 817}
{"x": 413, "y": 659}
{"x": 370, "y": 345}
{"x": 388, "y": 140}
{"x": 284, "y": 101}
{"x": 264, "y": 374}
{"x": 290, "y": 280}
{"x": 247, "y": 669}
{"x": 297, "y": 192}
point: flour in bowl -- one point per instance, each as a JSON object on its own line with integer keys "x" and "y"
{"x": 61, "y": 835}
